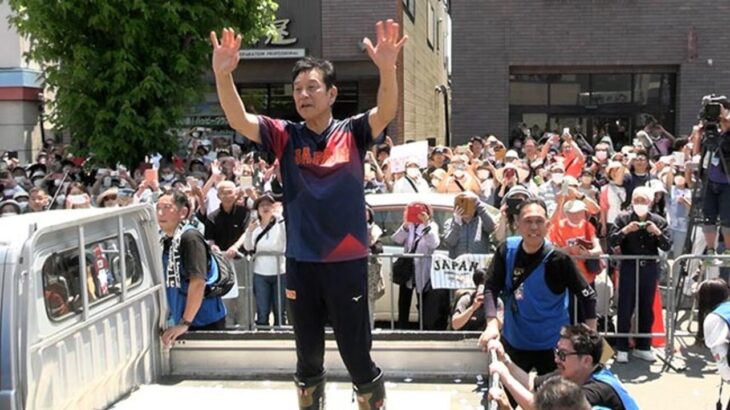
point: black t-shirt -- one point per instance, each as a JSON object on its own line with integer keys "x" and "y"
{"x": 597, "y": 393}
{"x": 193, "y": 253}
{"x": 225, "y": 228}
{"x": 560, "y": 274}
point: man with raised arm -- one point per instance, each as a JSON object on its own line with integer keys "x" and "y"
{"x": 322, "y": 165}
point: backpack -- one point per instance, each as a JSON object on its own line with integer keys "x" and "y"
{"x": 223, "y": 282}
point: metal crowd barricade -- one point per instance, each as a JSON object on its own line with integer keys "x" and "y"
{"x": 245, "y": 317}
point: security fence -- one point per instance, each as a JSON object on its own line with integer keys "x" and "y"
{"x": 453, "y": 277}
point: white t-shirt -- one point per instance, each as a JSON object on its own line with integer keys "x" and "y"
{"x": 716, "y": 339}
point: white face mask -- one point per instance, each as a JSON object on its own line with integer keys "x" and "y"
{"x": 557, "y": 178}
{"x": 168, "y": 177}
{"x": 19, "y": 180}
{"x": 641, "y": 210}
{"x": 413, "y": 172}
{"x": 483, "y": 175}
{"x": 458, "y": 173}
{"x": 601, "y": 155}
{"x": 107, "y": 181}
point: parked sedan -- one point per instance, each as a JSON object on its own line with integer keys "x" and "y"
{"x": 388, "y": 213}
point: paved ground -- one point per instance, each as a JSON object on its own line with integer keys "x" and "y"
{"x": 696, "y": 389}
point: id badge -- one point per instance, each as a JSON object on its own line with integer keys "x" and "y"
{"x": 715, "y": 160}
{"x": 520, "y": 292}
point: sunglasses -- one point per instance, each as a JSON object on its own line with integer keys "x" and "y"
{"x": 562, "y": 354}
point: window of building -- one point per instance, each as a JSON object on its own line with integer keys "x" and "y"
{"x": 594, "y": 104}
{"x": 610, "y": 89}
{"x": 431, "y": 29}
{"x": 276, "y": 101}
{"x": 62, "y": 276}
{"x": 569, "y": 89}
{"x": 527, "y": 89}
{"x": 409, "y": 6}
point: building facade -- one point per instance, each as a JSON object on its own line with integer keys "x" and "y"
{"x": 334, "y": 29}
{"x": 20, "y": 94}
{"x": 599, "y": 67}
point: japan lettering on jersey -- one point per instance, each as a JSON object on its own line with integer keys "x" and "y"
{"x": 324, "y": 203}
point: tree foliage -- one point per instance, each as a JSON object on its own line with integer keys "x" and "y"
{"x": 125, "y": 71}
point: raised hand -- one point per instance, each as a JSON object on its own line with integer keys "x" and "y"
{"x": 385, "y": 53}
{"x": 225, "y": 53}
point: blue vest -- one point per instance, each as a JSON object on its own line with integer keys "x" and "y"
{"x": 605, "y": 376}
{"x": 723, "y": 311}
{"x": 533, "y": 315}
{"x": 211, "y": 310}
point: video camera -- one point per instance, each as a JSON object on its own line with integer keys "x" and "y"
{"x": 710, "y": 117}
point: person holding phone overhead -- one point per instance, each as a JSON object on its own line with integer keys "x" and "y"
{"x": 419, "y": 234}
{"x": 469, "y": 230}
{"x": 322, "y": 167}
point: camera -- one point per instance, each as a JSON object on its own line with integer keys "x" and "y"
{"x": 710, "y": 117}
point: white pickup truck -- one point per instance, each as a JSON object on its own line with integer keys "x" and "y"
{"x": 81, "y": 302}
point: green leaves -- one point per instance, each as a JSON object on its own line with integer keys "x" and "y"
{"x": 124, "y": 72}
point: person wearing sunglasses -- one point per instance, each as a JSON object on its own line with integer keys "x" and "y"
{"x": 577, "y": 357}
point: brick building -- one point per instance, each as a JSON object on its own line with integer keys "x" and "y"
{"x": 602, "y": 66}
{"x": 334, "y": 29}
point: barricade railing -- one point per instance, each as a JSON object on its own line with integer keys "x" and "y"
{"x": 246, "y": 315}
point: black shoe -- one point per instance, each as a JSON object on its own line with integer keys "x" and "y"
{"x": 371, "y": 396}
{"x": 310, "y": 393}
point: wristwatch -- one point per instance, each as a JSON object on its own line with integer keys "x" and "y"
{"x": 185, "y": 322}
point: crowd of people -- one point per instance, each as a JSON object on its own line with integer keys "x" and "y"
{"x": 586, "y": 197}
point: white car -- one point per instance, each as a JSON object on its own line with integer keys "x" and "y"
{"x": 388, "y": 212}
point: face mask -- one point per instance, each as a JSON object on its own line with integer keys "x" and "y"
{"x": 458, "y": 173}
{"x": 601, "y": 155}
{"x": 23, "y": 206}
{"x": 641, "y": 210}
{"x": 413, "y": 172}
{"x": 60, "y": 200}
{"x": 38, "y": 182}
{"x": 249, "y": 203}
{"x": 518, "y": 144}
{"x": 557, "y": 178}
{"x": 19, "y": 180}
{"x": 483, "y": 175}
{"x": 57, "y": 182}
{"x": 107, "y": 181}
{"x": 168, "y": 177}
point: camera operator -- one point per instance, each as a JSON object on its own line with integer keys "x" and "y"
{"x": 717, "y": 190}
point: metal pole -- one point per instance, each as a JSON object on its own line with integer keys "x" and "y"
{"x": 392, "y": 296}
{"x": 493, "y": 405}
{"x": 82, "y": 275}
{"x": 278, "y": 292}
{"x": 122, "y": 257}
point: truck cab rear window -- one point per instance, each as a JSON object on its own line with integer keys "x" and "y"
{"x": 61, "y": 272}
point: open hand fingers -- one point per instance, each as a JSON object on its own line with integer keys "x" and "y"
{"x": 392, "y": 30}
{"x": 380, "y": 32}
{"x": 214, "y": 40}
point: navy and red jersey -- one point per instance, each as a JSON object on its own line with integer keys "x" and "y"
{"x": 324, "y": 201}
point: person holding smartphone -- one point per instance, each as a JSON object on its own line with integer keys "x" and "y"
{"x": 419, "y": 234}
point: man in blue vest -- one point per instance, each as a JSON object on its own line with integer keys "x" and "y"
{"x": 534, "y": 281}
{"x": 577, "y": 357}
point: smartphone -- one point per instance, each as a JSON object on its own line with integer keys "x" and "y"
{"x": 245, "y": 181}
{"x": 566, "y": 131}
{"x": 413, "y": 213}
{"x": 466, "y": 204}
{"x": 564, "y": 188}
{"x": 150, "y": 175}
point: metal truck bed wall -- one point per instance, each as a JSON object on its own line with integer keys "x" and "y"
{"x": 89, "y": 357}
